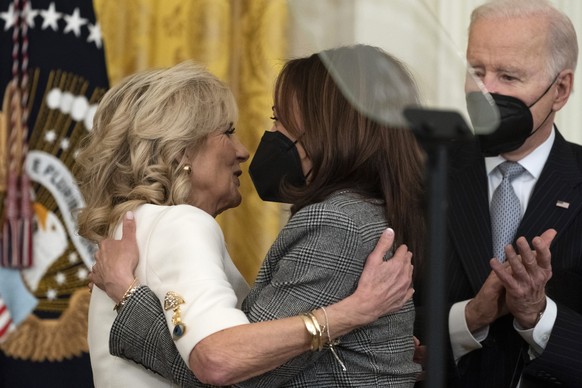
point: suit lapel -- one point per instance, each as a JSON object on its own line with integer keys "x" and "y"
{"x": 559, "y": 183}
{"x": 469, "y": 220}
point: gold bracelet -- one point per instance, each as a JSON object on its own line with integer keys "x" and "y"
{"x": 330, "y": 344}
{"x": 312, "y": 330}
{"x": 132, "y": 287}
{"x": 318, "y": 341}
{"x": 326, "y": 326}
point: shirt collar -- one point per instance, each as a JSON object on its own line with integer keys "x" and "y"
{"x": 533, "y": 163}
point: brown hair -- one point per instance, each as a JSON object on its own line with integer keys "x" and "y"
{"x": 371, "y": 153}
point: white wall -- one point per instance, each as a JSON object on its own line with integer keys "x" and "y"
{"x": 429, "y": 35}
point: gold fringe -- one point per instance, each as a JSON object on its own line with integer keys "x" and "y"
{"x": 52, "y": 339}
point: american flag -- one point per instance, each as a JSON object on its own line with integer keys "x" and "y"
{"x": 6, "y": 325}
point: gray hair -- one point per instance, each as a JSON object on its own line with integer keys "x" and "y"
{"x": 562, "y": 42}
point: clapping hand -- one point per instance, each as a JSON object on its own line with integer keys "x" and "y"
{"x": 524, "y": 277}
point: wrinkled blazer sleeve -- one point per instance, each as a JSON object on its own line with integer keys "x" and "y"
{"x": 311, "y": 264}
{"x": 140, "y": 333}
{"x": 315, "y": 266}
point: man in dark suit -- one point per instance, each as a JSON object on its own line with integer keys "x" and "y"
{"x": 516, "y": 320}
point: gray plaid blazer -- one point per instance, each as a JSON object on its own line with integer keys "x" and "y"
{"x": 316, "y": 260}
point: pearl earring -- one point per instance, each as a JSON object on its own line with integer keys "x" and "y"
{"x": 188, "y": 169}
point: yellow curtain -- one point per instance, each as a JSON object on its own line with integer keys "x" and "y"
{"x": 243, "y": 42}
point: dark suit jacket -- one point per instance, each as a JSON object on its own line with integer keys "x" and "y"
{"x": 504, "y": 352}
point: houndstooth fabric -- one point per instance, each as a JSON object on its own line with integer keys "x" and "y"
{"x": 316, "y": 260}
{"x": 140, "y": 333}
{"x": 505, "y": 209}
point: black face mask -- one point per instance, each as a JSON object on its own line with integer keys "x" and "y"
{"x": 276, "y": 161}
{"x": 515, "y": 122}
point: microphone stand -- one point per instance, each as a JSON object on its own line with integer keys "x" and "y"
{"x": 437, "y": 131}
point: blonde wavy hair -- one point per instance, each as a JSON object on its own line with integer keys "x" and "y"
{"x": 142, "y": 130}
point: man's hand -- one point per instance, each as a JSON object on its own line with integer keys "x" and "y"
{"x": 487, "y": 305}
{"x": 525, "y": 277}
{"x": 115, "y": 262}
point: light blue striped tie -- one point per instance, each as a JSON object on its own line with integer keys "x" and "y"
{"x": 505, "y": 209}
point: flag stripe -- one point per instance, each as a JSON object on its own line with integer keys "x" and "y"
{"x": 6, "y": 325}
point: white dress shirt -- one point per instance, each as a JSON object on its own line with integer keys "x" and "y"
{"x": 462, "y": 340}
